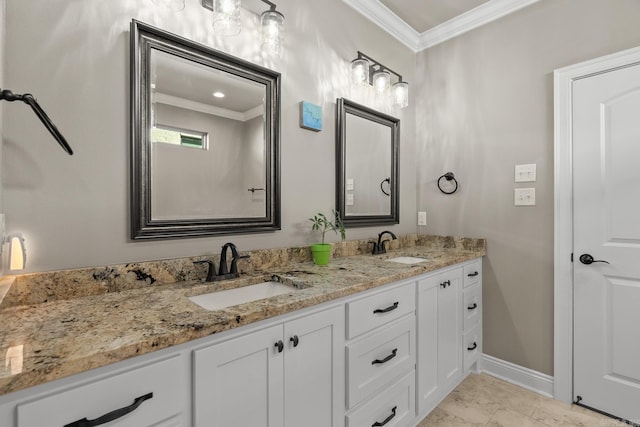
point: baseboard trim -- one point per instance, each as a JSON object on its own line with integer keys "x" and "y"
{"x": 515, "y": 374}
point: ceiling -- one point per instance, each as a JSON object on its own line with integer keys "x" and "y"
{"x": 426, "y": 14}
{"x": 421, "y": 24}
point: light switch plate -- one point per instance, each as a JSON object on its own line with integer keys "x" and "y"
{"x": 524, "y": 197}
{"x": 525, "y": 173}
{"x": 349, "y": 185}
{"x": 349, "y": 199}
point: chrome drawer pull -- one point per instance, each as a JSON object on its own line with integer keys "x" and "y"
{"x": 472, "y": 307}
{"x": 386, "y": 310}
{"x": 113, "y": 415}
{"x": 389, "y": 418}
{"x": 473, "y": 347}
{"x": 386, "y": 359}
{"x": 474, "y": 274}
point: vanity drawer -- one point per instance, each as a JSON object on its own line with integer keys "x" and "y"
{"x": 472, "y": 273}
{"x": 157, "y": 388}
{"x": 378, "y": 358}
{"x": 472, "y": 306}
{"x": 471, "y": 346}
{"x": 395, "y": 405}
{"x": 374, "y": 311}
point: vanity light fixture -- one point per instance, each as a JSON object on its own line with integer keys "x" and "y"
{"x": 366, "y": 70}
{"x": 226, "y": 22}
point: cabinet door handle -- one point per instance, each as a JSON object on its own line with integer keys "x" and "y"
{"x": 294, "y": 339}
{"x": 280, "y": 346}
{"x": 473, "y": 347}
{"x": 386, "y": 310}
{"x": 113, "y": 415}
{"x": 386, "y": 359}
{"x": 474, "y": 274}
{"x": 389, "y": 418}
{"x": 472, "y": 307}
{"x": 445, "y": 284}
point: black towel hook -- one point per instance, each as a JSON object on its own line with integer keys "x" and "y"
{"x": 27, "y": 98}
{"x": 448, "y": 177}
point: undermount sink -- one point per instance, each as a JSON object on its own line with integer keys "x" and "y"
{"x": 407, "y": 260}
{"x": 229, "y": 297}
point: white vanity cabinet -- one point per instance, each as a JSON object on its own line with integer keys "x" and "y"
{"x": 153, "y": 393}
{"x": 290, "y": 374}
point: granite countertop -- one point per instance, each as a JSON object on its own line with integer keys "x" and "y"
{"x": 45, "y": 341}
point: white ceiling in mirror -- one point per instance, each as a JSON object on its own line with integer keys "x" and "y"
{"x": 426, "y": 23}
{"x": 179, "y": 78}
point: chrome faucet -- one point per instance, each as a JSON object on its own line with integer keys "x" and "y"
{"x": 379, "y": 247}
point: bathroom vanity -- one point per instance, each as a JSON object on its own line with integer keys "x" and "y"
{"x": 364, "y": 341}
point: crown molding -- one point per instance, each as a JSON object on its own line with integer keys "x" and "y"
{"x": 382, "y": 16}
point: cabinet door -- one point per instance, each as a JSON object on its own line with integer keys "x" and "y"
{"x": 449, "y": 327}
{"x": 314, "y": 370}
{"x": 238, "y": 383}
{"x": 439, "y": 336}
{"x": 427, "y": 335}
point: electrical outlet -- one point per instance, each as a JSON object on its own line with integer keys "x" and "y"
{"x": 524, "y": 197}
{"x": 422, "y": 218}
{"x": 349, "y": 199}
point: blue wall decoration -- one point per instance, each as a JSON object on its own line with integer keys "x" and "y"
{"x": 310, "y": 116}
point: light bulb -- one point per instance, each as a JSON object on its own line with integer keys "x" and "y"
{"x": 381, "y": 80}
{"x": 400, "y": 93}
{"x": 272, "y": 26}
{"x": 226, "y": 17}
{"x": 360, "y": 71}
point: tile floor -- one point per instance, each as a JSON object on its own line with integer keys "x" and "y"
{"x": 482, "y": 400}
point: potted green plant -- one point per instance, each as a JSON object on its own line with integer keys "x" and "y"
{"x": 321, "y": 252}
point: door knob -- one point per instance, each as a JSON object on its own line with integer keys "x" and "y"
{"x": 588, "y": 259}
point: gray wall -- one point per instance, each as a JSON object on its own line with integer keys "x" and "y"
{"x": 74, "y": 57}
{"x": 485, "y": 104}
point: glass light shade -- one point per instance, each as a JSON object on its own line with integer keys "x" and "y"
{"x": 400, "y": 91}
{"x": 360, "y": 71}
{"x": 226, "y": 17}
{"x": 271, "y": 27}
{"x": 381, "y": 80}
{"x": 175, "y": 5}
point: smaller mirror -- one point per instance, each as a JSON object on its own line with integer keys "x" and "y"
{"x": 367, "y": 165}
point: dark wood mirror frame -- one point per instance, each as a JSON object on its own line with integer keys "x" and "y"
{"x": 344, "y": 107}
{"x": 145, "y": 37}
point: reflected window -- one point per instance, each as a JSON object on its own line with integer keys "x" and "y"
{"x": 182, "y": 137}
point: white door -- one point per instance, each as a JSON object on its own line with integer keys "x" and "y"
{"x": 606, "y": 183}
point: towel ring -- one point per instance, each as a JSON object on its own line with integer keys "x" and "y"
{"x": 448, "y": 177}
{"x": 388, "y": 181}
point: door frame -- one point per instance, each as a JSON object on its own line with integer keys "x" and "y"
{"x": 563, "y": 210}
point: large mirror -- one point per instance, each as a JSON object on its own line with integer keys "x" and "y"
{"x": 367, "y": 165}
{"x": 205, "y": 140}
